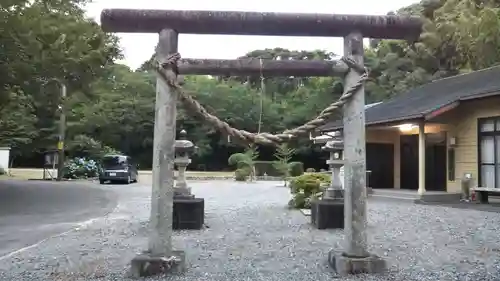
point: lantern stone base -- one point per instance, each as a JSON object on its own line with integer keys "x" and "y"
{"x": 327, "y": 213}
{"x": 183, "y": 195}
{"x": 146, "y": 265}
{"x": 189, "y": 212}
{"x": 345, "y": 265}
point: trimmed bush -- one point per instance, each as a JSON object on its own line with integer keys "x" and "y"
{"x": 296, "y": 169}
{"x": 305, "y": 187}
{"x": 310, "y": 170}
{"x": 241, "y": 174}
{"x": 236, "y": 159}
{"x": 243, "y": 163}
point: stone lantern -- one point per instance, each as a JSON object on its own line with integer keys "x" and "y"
{"x": 184, "y": 149}
{"x": 335, "y": 148}
{"x": 188, "y": 211}
{"x": 328, "y": 212}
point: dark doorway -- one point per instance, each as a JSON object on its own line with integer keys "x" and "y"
{"x": 409, "y": 162}
{"x": 435, "y": 167}
{"x": 380, "y": 161}
{"x": 435, "y": 164}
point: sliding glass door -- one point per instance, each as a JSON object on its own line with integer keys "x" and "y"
{"x": 489, "y": 152}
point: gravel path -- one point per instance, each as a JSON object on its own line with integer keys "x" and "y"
{"x": 252, "y": 236}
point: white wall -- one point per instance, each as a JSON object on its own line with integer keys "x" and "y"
{"x": 4, "y": 158}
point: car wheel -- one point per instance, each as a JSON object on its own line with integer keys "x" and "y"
{"x": 101, "y": 181}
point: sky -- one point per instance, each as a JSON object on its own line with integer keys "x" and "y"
{"x": 138, "y": 48}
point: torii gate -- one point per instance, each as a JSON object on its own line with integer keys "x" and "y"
{"x": 355, "y": 257}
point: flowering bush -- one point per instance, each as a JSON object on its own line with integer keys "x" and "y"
{"x": 80, "y": 168}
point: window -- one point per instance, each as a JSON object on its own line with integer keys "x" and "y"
{"x": 489, "y": 152}
{"x": 451, "y": 164}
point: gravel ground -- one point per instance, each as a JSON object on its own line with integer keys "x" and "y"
{"x": 252, "y": 236}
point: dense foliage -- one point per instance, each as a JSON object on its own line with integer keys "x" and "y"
{"x": 111, "y": 107}
{"x": 306, "y": 187}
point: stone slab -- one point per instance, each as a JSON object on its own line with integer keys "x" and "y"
{"x": 145, "y": 265}
{"x": 306, "y": 212}
{"x": 345, "y": 265}
{"x": 181, "y": 196}
{"x": 188, "y": 213}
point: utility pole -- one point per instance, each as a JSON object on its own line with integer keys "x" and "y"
{"x": 62, "y": 132}
{"x": 62, "y": 126}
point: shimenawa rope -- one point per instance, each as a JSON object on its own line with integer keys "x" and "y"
{"x": 168, "y": 71}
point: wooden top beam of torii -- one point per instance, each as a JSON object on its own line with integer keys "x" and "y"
{"x": 256, "y": 23}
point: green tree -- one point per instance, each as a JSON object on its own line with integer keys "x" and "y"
{"x": 284, "y": 155}
{"x": 42, "y": 40}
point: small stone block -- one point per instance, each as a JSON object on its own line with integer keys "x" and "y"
{"x": 482, "y": 197}
{"x": 345, "y": 265}
{"x": 306, "y": 212}
{"x": 189, "y": 213}
{"x": 327, "y": 213}
{"x": 369, "y": 191}
{"x": 145, "y": 265}
{"x": 183, "y": 196}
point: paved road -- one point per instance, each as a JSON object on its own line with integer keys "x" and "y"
{"x": 31, "y": 211}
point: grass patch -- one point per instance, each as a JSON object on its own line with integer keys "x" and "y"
{"x": 23, "y": 174}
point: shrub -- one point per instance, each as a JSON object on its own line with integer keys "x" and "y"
{"x": 244, "y": 163}
{"x": 241, "y": 174}
{"x": 241, "y": 161}
{"x": 310, "y": 170}
{"x": 298, "y": 201}
{"x": 305, "y": 187}
{"x": 283, "y": 169}
{"x": 80, "y": 168}
{"x": 266, "y": 167}
{"x": 237, "y": 158}
{"x": 296, "y": 169}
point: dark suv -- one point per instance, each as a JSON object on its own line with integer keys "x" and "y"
{"x": 118, "y": 168}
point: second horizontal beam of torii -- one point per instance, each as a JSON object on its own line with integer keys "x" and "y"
{"x": 264, "y": 67}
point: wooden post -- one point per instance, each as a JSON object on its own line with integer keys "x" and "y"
{"x": 62, "y": 132}
{"x": 421, "y": 158}
{"x": 160, "y": 257}
{"x": 355, "y": 168}
{"x": 355, "y": 257}
{"x": 160, "y": 239}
